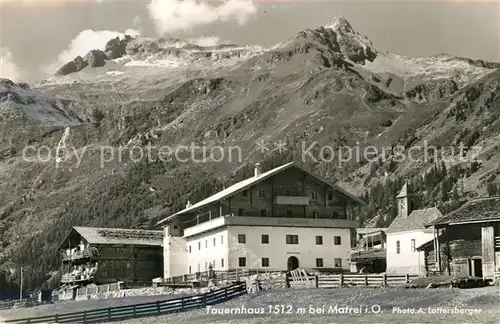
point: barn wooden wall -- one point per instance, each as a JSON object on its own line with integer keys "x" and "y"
{"x": 129, "y": 263}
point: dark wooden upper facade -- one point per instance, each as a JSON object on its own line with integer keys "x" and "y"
{"x": 289, "y": 193}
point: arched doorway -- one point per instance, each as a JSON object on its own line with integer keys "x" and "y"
{"x": 292, "y": 263}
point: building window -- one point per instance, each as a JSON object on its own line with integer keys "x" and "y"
{"x": 263, "y": 213}
{"x": 214, "y": 241}
{"x": 262, "y": 193}
{"x": 199, "y": 245}
{"x": 330, "y": 195}
{"x": 242, "y": 262}
{"x": 222, "y": 239}
{"x": 319, "y": 240}
{"x": 240, "y": 212}
{"x": 398, "y": 247}
{"x": 336, "y": 215}
{"x": 314, "y": 195}
{"x": 315, "y": 214}
{"x": 222, "y": 262}
{"x": 265, "y": 262}
{"x": 206, "y": 244}
{"x": 264, "y": 239}
{"x": 245, "y": 193}
{"x": 242, "y": 238}
{"x": 413, "y": 247}
{"x": 337, "y": 240}
{"x": 189, "y": 269}
{"x": 319, "y": 262}
{"x": 338, "y": 263}
{"x": 190, "y": 249}
{"x": 292, "y": 239}
{"x": 289, "y": 213}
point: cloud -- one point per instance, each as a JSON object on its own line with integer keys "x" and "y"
{"x": 174, "y": 15}
{"x": 86, "y": 41}
{"x": 8, "y": 67}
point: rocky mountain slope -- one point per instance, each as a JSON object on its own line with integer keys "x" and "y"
{"x": 309, "y": 98}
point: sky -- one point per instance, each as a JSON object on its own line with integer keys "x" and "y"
{"x": 39, "y": 36}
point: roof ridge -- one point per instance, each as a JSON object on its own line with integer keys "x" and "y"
{"x": 118, "y": 229}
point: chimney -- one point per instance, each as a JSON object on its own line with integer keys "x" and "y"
{"x": 188, "y": 204}
{"x": 257, "y": 170}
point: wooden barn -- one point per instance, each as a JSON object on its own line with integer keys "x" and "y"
{"x": 108, "y": 255}
{"x": 468, "y": 241}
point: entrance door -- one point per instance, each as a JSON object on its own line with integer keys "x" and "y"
{"x": 478, "y": 268}
{"x": 292, "y": 263}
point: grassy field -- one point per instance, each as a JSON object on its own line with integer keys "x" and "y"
{"x": 379, "y": 305}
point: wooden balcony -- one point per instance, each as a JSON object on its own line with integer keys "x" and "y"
{"x": 68, "y": 278}
{"x": 268, "y": 221}
{"x": 78, "y": 255}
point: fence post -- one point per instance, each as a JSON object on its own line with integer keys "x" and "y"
{"x": 109, "y": 313}
{"x": 158, "y": 307}
{"x": 287, "y": 281}
{"x": 341, "y": 280}
{"x": 134, "y": 311}
{"x": 316, "y": 279}
{"x": 205, "y": 299}
{"x": 182, "y": 303}
{"x": 407, "y": 278}
{"x": 56, "y": 318}
{"x": 384, "y": 279}
{"x": 366, "y": 280}
{"x": 84, "y": 316}
{"x": 225, "y": 293}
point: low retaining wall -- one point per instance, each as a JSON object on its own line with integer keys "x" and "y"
{"x": 100, "y": 291}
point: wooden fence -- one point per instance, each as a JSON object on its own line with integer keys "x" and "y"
{"x": 141, "y": 310}
{"x": 368, "y": 280}
{"x": 10, "y": 303}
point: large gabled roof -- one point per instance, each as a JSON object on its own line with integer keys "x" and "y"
{"x": 417, "y": 220}
{"x": 478, "y": 210}
{"x": 242, "y": 185}
{"x": 95, "y": 235}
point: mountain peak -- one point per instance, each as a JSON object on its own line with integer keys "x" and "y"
{"x": 341, "y": 25}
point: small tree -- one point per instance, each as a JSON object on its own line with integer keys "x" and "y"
{"x": 491, "y": 188}
{"x": 97, "y": 115}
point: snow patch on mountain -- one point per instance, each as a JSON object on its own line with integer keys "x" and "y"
{"x": 426, "y": 68}
{"x": 114, "y": 73}
{"x": 158, "y": 63}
